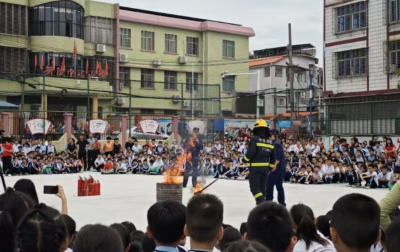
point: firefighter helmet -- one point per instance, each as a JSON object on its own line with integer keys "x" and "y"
{"x": 260, "y": 124}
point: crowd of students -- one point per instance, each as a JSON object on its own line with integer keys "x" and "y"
{"x": 355, "y": 223}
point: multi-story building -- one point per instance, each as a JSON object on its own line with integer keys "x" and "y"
{"x": 361, "y": 49}
{"x": 102, "y": 58}
{"x": 272, "y": 66}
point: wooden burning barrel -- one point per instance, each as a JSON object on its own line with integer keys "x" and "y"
{"x": 169, "y": 192}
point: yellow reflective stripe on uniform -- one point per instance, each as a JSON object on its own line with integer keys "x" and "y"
{"x": 246, "y": 159}
{"x": 258, "y": 195}
{"x": 260, "y": 164}
{"x": 265, "y": 145}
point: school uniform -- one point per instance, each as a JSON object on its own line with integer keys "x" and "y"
{"x": 145, "y": 169}
{"x": 233, "y": 174}
{"x": 352, "y": 177}
{"x": 33, "y": 167}
{"x": 100, "y": 163}
{"x": 121, "y": 168}
{"x": 336, "y": 176}
{"x": 165, "y": 249}
{"x": 59, "y": 168}
{"x": 318, "y": 177}
{"x": 25, "y": 168}
{"x": 16, "y": 168}
{"x": 135, "y": 168}
{"x": 302, "y": 179}
{"x": 373, "y": 181}
{"x": 386, "y": 177}
{"x": 329, "y": 170}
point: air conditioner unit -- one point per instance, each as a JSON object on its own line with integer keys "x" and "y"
{"x": 101, "y": 48}
{"x": 393, "y": 68}
{"x": 120, "y": 101}
{"x": 123, "y": 57}
{"x": 176, "y": 98}
{"x": 186, "y": 104}
{"x": 157, "y": 62}
{"x": 182, "y": 59}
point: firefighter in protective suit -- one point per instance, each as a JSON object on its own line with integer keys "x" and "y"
{"x": 260, "y": 159}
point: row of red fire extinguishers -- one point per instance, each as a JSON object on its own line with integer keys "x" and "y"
{"x": 88, "y": 187}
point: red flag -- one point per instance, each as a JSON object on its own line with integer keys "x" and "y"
{"x": 100, "y": 70}
{"x": 97, "y": 67}
{"x": 41, "y": 63}
{"x": 75, "y": 51}
{"x": 63, "y": 65}
{"x": 87, "y": 67}
{"x": 53, "y": 65}
{"x": 35, "y": 61}
{"x": 106, "y": 70}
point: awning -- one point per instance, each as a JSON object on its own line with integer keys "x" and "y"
{"x": 4, "y": 104}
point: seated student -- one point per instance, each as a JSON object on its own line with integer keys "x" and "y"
{"x": 59, "y": 167}
{"x": 128, "y": 164}
{"x": 145, "y": 167}
{"x": 234, "y": 171}
{"x": 204, "y": 218}
{"x": 370, "y": 179}
{"x": 34, "y": 166}
{"x": 69, "y": 166}
{"x": 343, "y": 169}
{"x": 301, "y": 175}
{"x": 108, "y": 167}
{"x": 310, "y": 176}
{"x": 153, "y": 168}
{"x": 355, "y": 223}
{"x": 97, "y": 238}
{"x": 221, "y": 169}
{"x": 352, "y": 176}
{"x": 247, "y": 246}
{"x": 99, "y": 162}
{"x": 328, "y": 172}
{"x": 336, "y": 174}
{"x": 392, "y": 240}
{"x": 135, "y": 167}
{"x": 310, "y": 239}
{"x": 318, "y": 177}
{"x": 231, "y": 235}
{"x": 166, "y": 221}
{"x": 288, "y": 174}
{"x": 384, "y": 177}
{"x": 124, "y": 234}
{"x": 24, "y": 166}
{"x": 394, "y": 177}
{"x": 16, "y": 167}
{"x": 271, "y": 224}
{"x": 295, "y": 169}
{"x": 47, "y": 167}
{"x": 121, "y": 168}
{"x": 78, "y": 165}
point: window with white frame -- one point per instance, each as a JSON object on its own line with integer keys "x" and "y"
{"x": 124, "y": 77}
{"x": 171, "y": 43}
{"x": 394, "y": 51}
{"x": 147, "y": 41}
{"x": 394, "y": 11}
{"x": 192, "y": 46}
{"x": 278, "y": 71}
{"x": 352, "y": 63}
{"x": 351, "y": 17}
{"x": 125, "y": 37}
{"x": 228, "y": 49}
{"x": 170, "y": 80}
{"x": 191, "y": 81}
{"x": 228, "y": 84}
{"x": 147, "y": 78}
{"x": 267, "y": 71}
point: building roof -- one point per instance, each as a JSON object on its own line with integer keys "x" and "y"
{"x": 4, "y": 104}
{"x": 305, "y": 49}
{"x": 172, "y": 15}
{"x": 265, "y": 61}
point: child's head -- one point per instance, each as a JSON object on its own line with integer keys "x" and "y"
{"x": 204, "y": 219}
{"x": 384, "y": 170}
{"x": 97, "y": 238}
{"x": 166, "y": 221}
{"x": 392, "y": 240}
{"x": 316, "y": 169}
{"x": 355, "y": 223}
{"x": 309, "y": 168}
{"x": 123, "y": 233}
{"x": 370, "y": 167}
{"x": 231, "y": 235}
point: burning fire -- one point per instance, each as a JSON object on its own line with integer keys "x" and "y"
{"x": 172, "y": 173}
{"x": 198, "y": 188}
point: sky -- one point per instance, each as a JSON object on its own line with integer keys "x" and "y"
{"x": 268, "y": 18}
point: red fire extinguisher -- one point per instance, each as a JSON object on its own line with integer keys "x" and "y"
{"x": 98, "y": 187}
{"x": 80, "y": 185}
{"x": 85, "y": 187}
{"x": 90, "y": 186}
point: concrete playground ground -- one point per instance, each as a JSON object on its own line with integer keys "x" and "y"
{"x": 128, "y": 197}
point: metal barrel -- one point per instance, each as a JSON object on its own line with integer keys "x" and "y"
{"x": 169, "y": 192}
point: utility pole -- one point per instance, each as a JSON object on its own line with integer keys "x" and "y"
{"x": 291, "y": 74}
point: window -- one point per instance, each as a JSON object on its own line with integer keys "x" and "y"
{"x": 147, "y": 112}
{"x": 228, "y": 49}
{"x": 267, "y": 71}
{"x": 124, "y": 77}
{"x": 60, "y": 18}
{"x": 13, "y": 60}
{"x": 170, "y": 112}
{"x": 170, "y": 43}
{"x": 99, "y": 30}
{"x": 125, "y": 37}
{"x": 394, "y": 11}
{"x": 278, "y": 71}
{"x": 228, "y": 84}
{"x": 170, "y": 80}
{"x": 281, "y": 101}
{"x": 147, "y": 78}
{"x": 13, "y": 19}
{"x": 351, "y": 17}
{"x": 192, "y": 46}
{"x": 394, "y": 50}
{"x": 147, "y": 41}
{"x": 192, "y": 81}
{"x": 352, "y": 63}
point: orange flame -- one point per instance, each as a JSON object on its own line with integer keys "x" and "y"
{"x": 198, "y": 188}
{"x": 172, "y": 173}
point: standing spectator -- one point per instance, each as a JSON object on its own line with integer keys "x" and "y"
{"x": 390, "y": 149}
{"x": 82, "y": 148}
{"x": 7, "y": 155}
{"x": 108, "y": 147}
{"x": 91, "y": 156}
{"x": 129, "y": 144}
{"x": 71, "y": 147}
{"x": 96, "y": 146}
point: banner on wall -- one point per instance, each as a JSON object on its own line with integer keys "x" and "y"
{"x": 148, "y": 126}
{"x": 202, "y": 125}
{"x": 38, "y": 126}
{"x": 240, "y": 124}
{"x": 284, "y": 124}
{"x": 98, "y": 126}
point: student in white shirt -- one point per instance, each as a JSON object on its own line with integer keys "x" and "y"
{"x": 328, "y": 172}
{"x": 310, "y": 239}
{"x": 370, "y": 179}
{"x": 121, "y": 167}
{"x": 384, "y": 177}
{"x": 99, "y": 162}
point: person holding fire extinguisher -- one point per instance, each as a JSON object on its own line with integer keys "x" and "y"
{"x": 260, "y": 157}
